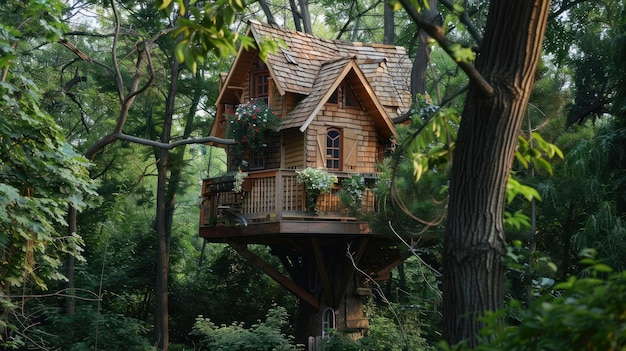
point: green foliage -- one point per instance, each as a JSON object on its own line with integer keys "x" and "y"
{"x": 89, "y": 330}
{"x": 531, "y": 273}
{"x": 263, "y": 336}
{"x": 582, "y": 313}
{"x": 351, "y": 194}
{"x": 251, "y": 123}
{"x": 432, "y": 143}
{"x": 207, "y": 30}
{"x": 41, "y": 176}
{"x": 382, "y": 335}
{"x": 535, "y": 151}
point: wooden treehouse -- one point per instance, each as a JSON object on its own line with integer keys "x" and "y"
{"x": 336, "y": 100}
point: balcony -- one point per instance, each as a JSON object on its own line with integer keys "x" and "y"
{"x": 272, "y": 202}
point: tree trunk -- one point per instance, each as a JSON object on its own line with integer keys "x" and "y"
{"x": 388, "y": 25}
{"x": 267, "y": 12}
{"x": 296, "y": 15}
{"x": 70, "y": 307}
{"x": 164, "y": 215}
{"x": 161, "y": 316}
{"x": 305, "y": 16}
{"x": 474, "y": 239}
{"x": 422, "y": 56}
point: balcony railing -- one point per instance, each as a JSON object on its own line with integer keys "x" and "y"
{"x": 272, "y": 196}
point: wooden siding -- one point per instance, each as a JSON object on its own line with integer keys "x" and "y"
{"x": 293, "y": 149}
{"x": 360, "y": 140}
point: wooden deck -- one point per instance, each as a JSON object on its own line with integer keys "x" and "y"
{"x": 271, "y": 202}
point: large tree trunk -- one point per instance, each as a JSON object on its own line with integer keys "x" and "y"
{"x": 164, "y": 215}
{"x": 305, "y": 16}
{"x": 161, "y": 316}
{"x": 474, "y": 239}
{"x": 422, "y": 57}
{"x": 388, "y": 25}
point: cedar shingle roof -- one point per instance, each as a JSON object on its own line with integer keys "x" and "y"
{"x": 295, "y": 68}
{"x": 321, "y": 86}
{"x": 312, "y": 68}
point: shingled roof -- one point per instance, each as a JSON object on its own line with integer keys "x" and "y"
{"x": 295, "y": 68}
{"x": 313, "y": 67}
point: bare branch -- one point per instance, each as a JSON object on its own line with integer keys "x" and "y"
{"x": 116, "y": 66}
{"x": 168, "y": 146}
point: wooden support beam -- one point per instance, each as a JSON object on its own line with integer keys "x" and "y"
{"x": 289, "y": 263}
{"x": 383, "y": 272}
{"x": 362, "y": 245}
{"x": 287, "y": 283}
{"x": 321, "y": 269}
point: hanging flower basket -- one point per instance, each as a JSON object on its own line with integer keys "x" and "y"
{"x": 251, "y": 124}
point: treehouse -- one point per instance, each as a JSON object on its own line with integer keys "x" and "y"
{"x": 314, "y": 108}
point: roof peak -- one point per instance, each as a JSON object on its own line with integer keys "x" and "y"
{"x": 253, "y": 22}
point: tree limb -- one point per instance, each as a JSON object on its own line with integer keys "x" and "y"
{"x": 471, "y": 28}
{"x": 118, "y": 74}
{"x": 169, "y": 146}
{"x": 110, "y": 138}
{"x": 436, "y": 32}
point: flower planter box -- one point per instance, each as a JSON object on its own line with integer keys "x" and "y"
{"x": 223, "y": 184}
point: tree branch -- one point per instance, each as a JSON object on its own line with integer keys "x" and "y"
{"x": 110, "y": 138}
{"x": 118, "y": 74}
{"x": 471, "y": 28}
{"x": 168, "y": 146}
{"x": 566, "y": 6}
{"x": 436, "y": 32}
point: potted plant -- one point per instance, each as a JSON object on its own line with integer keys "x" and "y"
{"x": 351, "y": 194}
{"x": 316, "y": 181}
{"x": 251, "y": 124}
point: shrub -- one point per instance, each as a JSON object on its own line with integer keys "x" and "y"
{"x": 264, "y": 336}
{"x": 586, "y": 313}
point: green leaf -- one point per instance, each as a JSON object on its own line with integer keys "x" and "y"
{"x": 163, "y": 4}
{"x": 462, "y": 54}
{"x": 180, "y": 51}
{"x": 602, "y": 268}
{"x": 458, "y": 9}
{"x": 229, "y": 15}
{"x": 514, "y": 188}
{"x": 237, "y": 5}
{"x": 541, "y": 164}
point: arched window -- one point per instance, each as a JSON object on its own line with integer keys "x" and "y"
{"x": 328, "y": 321}
{"x": 333, "y": 149}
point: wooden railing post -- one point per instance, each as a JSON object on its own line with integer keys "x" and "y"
{"x": 279, "y": 194}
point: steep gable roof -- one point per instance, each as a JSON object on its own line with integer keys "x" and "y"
{"x": 294, "y": 68}
{"x": 329, "y": 78}
{"x": 313, "y": 68}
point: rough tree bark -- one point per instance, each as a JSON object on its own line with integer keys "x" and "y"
{"x": 388, "y": 25}
{"x": 268, "y": 13}
{"x": 305, "y": 16}
{"x": 163, "y": 219}
{"x": 474, "y": 240}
